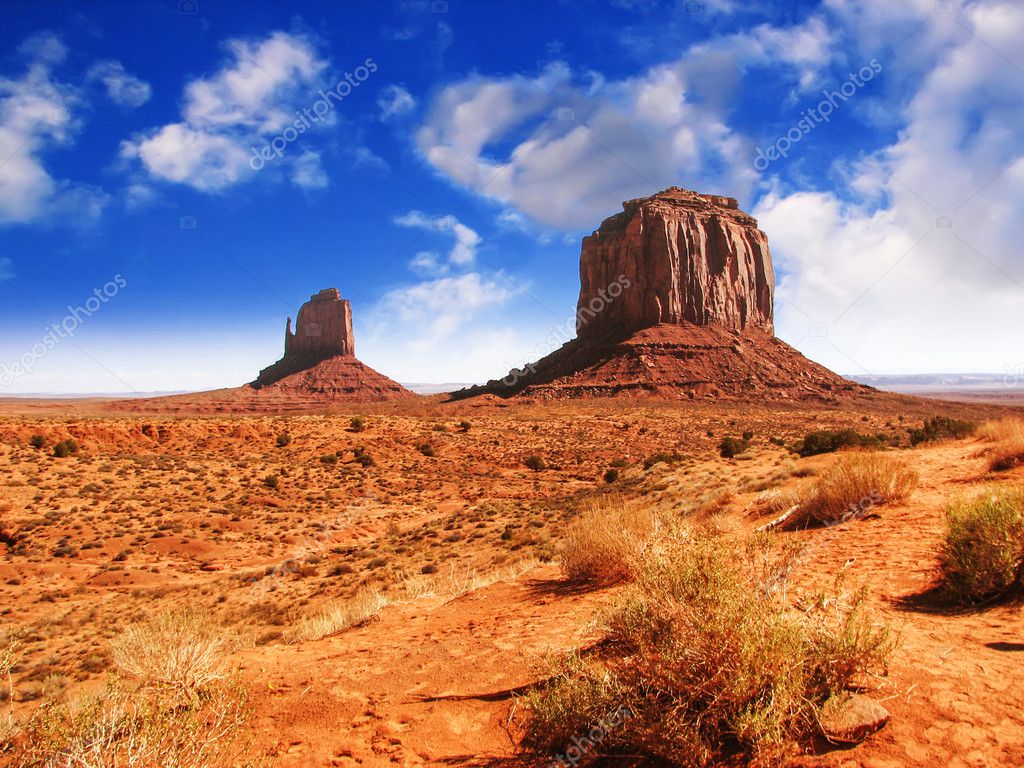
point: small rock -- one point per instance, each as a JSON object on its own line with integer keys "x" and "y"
{"x": 850, "y": 718}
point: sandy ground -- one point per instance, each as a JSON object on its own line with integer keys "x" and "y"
{"x": 156, "y": 512}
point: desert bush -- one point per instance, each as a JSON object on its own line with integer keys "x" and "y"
{"x": 535, "y": 462}
{"x": 941, "y": 428}
{"x": 851, "y": 486}
{"x": 827, "y": 441}
{"x": 611, "y": 475}
{"x": 464, "y": 425}
{"x": 142, "y": 729}
{"x": 662, "y": 457}
{"x": 732, "y": 446}
{"x": 177, "y": 649}
{"x": 426, "y": 449}
{"x": 1008, "y": 436}
{"x": 982, "y": 553}
{"x": 363, "y": 458}
{"x": 357, "y": 424}
{"x": 37, "y": 442}
{"x": 339, "y": 616}
{"x": 65, "y": 448}
{"x": 272, "y": 482}
{"x": 329, "y": 459}
{"x": 283, "y": 440}
{"x": 604, "y": 543}
{"x": 702, "y": 662}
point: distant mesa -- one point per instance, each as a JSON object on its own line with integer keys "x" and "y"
{"x": 319, "y": 357}
{"x": 676, "y": 300}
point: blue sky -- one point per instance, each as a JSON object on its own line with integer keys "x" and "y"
{"x": 175, "y": 178}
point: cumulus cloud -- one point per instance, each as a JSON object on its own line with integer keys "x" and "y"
{"x": 38, "y": 114}
{"x": 394, "y": 101}
{"x": 463, "y": 252}
{"x": 308, "y": 173}
{"x": 248, "y": 101}
{"x": 437, "y": 328}
{"x": 124, "y": 89}
{"x": 914, "y": 263}
{"x": 580, "y": 145}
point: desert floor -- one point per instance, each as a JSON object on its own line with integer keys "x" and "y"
{"x": 161, "y": 511}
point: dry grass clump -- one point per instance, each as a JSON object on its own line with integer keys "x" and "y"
{"x": 604, "y": 544}
{"x": 148, "y": 728}
{"x": 701, "y": 661}
{"x": 338, "y": 616}
{"x": 982, "y": 554}
{"x": 177, "y": 649}
{"x": 1008, "y": 436}
{"x": 851, "y": 486}
{"x": 182, "y": 712}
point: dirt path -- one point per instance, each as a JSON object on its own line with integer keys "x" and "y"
{"x": 427, "y": 682}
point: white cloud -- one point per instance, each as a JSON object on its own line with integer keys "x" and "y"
{"x": 921, "y": 271}
{"x": 364, "y": 157}
{"x": 428, "y": 264}
{"x": 394, "y": 100}
{"x": 6, "y": 268}
{"x": 434, "y": 330}
{"x": 581, "y": 147}
{"x": 180, "y": 153}
{"x": 124, "y": 89}
{"x": 37, "y": 114}
{"x": 463, "y": 252}
{"x": 307, "y": 172}
{"x": 244, "y": 104}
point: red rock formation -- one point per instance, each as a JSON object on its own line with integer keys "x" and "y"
{"x": 319, "y": 358}
{"x": 676, "y": 300}
{"x": 323, "y": 327}
{"x": 685, "y": 257}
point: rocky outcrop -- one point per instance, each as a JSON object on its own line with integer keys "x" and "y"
{"x": 676, "y": 301}
{"x": 675, "y": 257}
{"x": 319, "y": 358}
{"x": 323, "y": 328}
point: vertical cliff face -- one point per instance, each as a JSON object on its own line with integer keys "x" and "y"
{"x": 684, "y": 258}
{"x": 323, "y": 328}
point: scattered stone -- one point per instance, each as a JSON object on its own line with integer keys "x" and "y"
{"x": 849, "y": 718}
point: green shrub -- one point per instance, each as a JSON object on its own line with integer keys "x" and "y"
{"x": 464, "y": 425}
{"x": 329, "y": 459}
{"x": 704, "y": 663}
{"x": 732, "y": 446}
{"x": 283, "y": 439}
{"x": 535, "y": 462}
{"x": 941, "y": 428}
{"x": 662, "y": 457}
{"x": 37, "y": 441}
{"x": 827, "y": 441}
{"x": 272, "y": 482}
{"x": 65, "y": 448}
{"x": 363, "y": 458}
{"x": 611, "y": 476}
{"x": 982, "y": 554}
{"x": 426, "y": 449}
{"x": 357, "y": 424}
{"x": 748, "y": 435}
